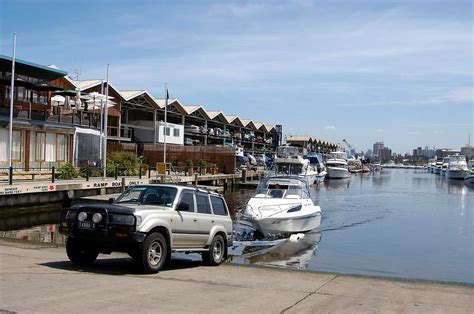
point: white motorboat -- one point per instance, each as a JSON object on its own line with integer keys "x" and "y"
{"x": 316, "y": 159}
{"x": 457, "y": 167}
{"x": 437, "y": 166}
{"x": 282, "y": 204}
{"x": 289, "y": 161}
{"x": 444, "y": 166}
{"x": 336, "y": 166}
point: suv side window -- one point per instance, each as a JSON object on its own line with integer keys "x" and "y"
{"x": 187, "y": 198}
{"x": 218, "y": 206}
{"x": 202, "y": 202}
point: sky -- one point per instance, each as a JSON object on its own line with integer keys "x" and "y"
{"x": 400, "y": 72}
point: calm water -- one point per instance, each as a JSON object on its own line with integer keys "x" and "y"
{"x": 396, "y": 223}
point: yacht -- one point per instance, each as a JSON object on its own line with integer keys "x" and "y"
{"x": 457, "y": 167}
{"x": 469, "y": 180}
{"x": 336, "y": 166}
{"x": 444, "y": 166}
{"x": 437, "y": 166}
{"x": 431, "y": 164}
{"x": 289, "y": 161}
{"x": 316, "y": 159}
{"x": 282, "y": 204}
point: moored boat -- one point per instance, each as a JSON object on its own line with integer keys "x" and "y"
{"x": 289, "y": 161}
{"x": 336, "y": 166}
{"x": 457, "y": 167}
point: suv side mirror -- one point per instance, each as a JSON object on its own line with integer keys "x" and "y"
{"x": 182, "y": 207}
{"x": 111, "y": 200}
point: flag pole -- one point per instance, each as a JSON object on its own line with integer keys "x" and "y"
{"x": 101, "y": 123}
{"x": 104, "y": 157}
{"x": 10, "y": 142}
{"x": 166, "y": 124}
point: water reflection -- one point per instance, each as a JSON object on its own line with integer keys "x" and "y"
{"x": 295, "y": 252}
{"x": 337, "y": 185}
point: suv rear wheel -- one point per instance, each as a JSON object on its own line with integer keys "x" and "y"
{"x": 216, "y": 252}
{"x": 152, "y": 254}
{"x": 79, "y": 253}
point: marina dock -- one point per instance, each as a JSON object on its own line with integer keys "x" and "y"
{"x": 41, "y": 279}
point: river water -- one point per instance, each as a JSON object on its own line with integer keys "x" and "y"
{"x": 394, "y": 223}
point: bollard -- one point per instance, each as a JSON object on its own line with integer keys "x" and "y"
{"x": 87, "y": 173}
{"x": 140, "y": 173}
{"x": 196, "y": 180}
{"x": 149, "y": 172}
{"x": 116, "y": 172}
{"x": 123, "y": 184}
{"x": 244, "y": 175}
{"x": 52, "y": 174}
{"x": 10, "y": 175}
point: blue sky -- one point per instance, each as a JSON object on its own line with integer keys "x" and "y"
{"x": 397, "y": 71}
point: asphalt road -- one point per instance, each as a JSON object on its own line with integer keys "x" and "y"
{"x": 41, "y": 279}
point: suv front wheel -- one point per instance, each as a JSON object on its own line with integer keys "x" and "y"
{"x": 152, "y": 253}
{"x": 216, "y": 252}
{"x": 79, "y": 253}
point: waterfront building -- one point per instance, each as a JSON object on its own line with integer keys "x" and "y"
{"x": 50, "y": 133}
{"x": 312, "y": 144}
{"x": 43, "y": 132}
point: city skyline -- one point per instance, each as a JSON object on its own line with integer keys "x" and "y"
{"x": 393, "y": 71}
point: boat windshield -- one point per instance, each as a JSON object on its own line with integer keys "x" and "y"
{"x": 148, "y": 195}
{"x": 282, "y": 188}
{"x": 338, "y": 155}
{"x": 287, "y": 151}
{"x": 290, "y": 168}
{"x": 457, "y": 158}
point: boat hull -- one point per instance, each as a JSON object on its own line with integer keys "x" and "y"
{"x": 437, "y": 171}
{"x": 337, "y": 173}
{"x": 456, "y": 174}
{"x": 285, "y": 225}
{"x": 443, "y": 172}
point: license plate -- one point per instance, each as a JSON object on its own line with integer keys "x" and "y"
{"x": 86, "y": 225}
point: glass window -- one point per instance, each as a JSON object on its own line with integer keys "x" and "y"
{"x": 167, "y": 131}
{"x": 202, "y": 201}
{"x": 16, "y": 145}
{"x": 149, "y": 195}
{"x": 187, "y": 198}
{"x": 176, "y": 132}
{"x": 40, "y": 146}
{"x": 61, "y": 147}
{"x": 218, "y": 206}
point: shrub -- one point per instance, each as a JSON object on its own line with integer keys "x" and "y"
{"x": 189, "y": 163}
{"x": 202, "y": 163}
{"x": 67, "y": 172}
{"x": 127, "y": 164}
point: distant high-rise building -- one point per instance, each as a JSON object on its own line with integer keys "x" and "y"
{"x": 377, "y": 147}
{"x": 385, "y": 153}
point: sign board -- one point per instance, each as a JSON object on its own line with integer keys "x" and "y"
{"x": 161, "y": 167}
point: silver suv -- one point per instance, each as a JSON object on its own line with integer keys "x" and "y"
{"x": 149, "y": 222}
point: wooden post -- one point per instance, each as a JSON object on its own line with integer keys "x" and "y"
{"x": 27, "y": 150}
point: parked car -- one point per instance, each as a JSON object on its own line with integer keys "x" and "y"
{"x": 149, "y": 222}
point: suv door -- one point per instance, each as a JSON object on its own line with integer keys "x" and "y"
{"x": 221, "y": 214}
{"x": 206, "y": 218}
{"x": 186, "y": 223}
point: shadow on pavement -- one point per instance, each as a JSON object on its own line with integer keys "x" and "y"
{"x": 119, "y": 266}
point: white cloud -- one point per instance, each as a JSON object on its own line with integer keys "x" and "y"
{"x": 330, "y": 128}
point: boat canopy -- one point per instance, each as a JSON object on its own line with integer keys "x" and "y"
{"x": 283, "y": 188}
{"x": 288, "y": 151}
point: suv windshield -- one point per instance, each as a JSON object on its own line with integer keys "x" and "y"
{"x": 149, "y": 195}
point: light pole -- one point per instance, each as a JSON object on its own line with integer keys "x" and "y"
{"x": 105, "y": 123}
{"x": 10, "y": 142}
